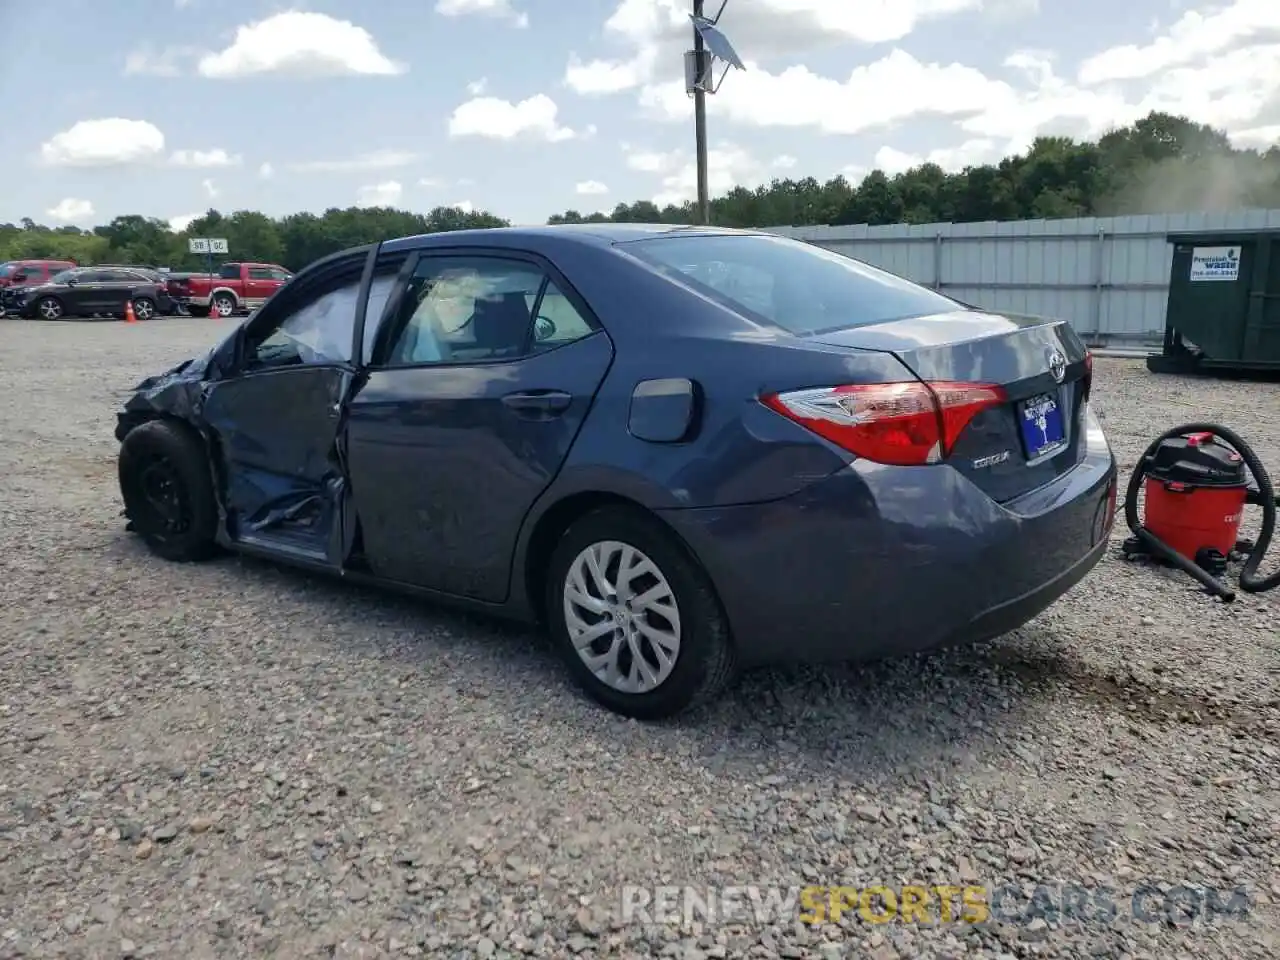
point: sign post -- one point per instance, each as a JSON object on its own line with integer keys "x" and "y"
{"x": 208, "y": 246}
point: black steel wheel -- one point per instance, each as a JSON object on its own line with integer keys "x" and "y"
{"x": 168, "y": 491}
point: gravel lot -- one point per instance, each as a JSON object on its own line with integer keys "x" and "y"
{"x": 236, "y": 760}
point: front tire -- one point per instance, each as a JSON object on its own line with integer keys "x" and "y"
{"x": 635, "y": 617}
{"x": 50, "y": 308}
{"x": 223, "y": 306}
{"x": 168, "y": 491}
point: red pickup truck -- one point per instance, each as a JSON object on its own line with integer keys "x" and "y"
{"x": 235, "y": 288}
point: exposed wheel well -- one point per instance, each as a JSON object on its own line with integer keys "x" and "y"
{"x": 551, "y": 527}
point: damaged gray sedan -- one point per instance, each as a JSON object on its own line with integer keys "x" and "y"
{"x": 683, "y": 450}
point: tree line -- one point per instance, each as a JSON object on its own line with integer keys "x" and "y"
{"x": 1159, "y": 164}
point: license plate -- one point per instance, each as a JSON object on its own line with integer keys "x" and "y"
{"x": 1042, "y": 431}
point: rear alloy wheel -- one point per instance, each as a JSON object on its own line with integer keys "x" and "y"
{"x": 168, "y": 492}
{"x": 49, "y": 308}
{"x": 223, "y": 306}
{"x": 635, "y": 617}
{"x": 144, "y": 308}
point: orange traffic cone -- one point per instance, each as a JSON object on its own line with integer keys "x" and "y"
{"x": 128, "y": 312}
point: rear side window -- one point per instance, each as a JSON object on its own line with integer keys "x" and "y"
{"x": 230, "y": 271}
{"x": 797, "y": 286}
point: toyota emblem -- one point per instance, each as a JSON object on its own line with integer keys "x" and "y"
{"x": 1057, "y": 365}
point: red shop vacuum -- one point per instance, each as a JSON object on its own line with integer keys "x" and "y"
{"x": 1198, "y": 479}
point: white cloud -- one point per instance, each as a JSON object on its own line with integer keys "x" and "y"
{"x": 210, "y": 188}
{"x": 1187, "y": 67}
{"x": 266, "y": 171}
{"x": 477, "y": 87}
{"x": 430, "y": 182}
{"x": 784, "y": 162}
{"x": 169, "y": 62}
{"x": 376, "y": 160}
{"x": 798, "y": 97}
{"x": 1193, "y": 37}
{"x": 183, "y": 220}
{"x": 466, "y": 206}
{"x": 728, "y": 166}
{"x": 970, "y": 153}
{"x": 300, "y": 43}
{"x": 591, "y": 188}
{"x": 70, "y": 210}
{"x": 112, "y": 141}
{"x": 385, "y": 194}
{"x": 503, "y": 120}
{"x": 1257, "y": 138}
{"x": 654, "y": 32}
{"x": 500, "y": 9}
{"x": 205, "y": 158}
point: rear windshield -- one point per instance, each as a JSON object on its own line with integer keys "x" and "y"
{"x": 797, "y": 286}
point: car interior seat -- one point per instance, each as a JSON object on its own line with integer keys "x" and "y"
{"x": 502, "y": 326}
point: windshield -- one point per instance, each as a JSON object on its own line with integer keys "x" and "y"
{"x": 797, "y": 286}
{"x": 7, "y": 269}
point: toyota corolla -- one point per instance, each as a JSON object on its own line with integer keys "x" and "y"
{"x": 681, "y": 450}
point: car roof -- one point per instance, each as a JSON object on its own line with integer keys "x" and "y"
{"x": 595, "y": 234}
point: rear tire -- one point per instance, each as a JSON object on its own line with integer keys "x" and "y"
{"x": 168, "y": 491}
{"x": 652, "y": 679}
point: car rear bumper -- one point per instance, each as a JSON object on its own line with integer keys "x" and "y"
{"x": 879, "y": 561}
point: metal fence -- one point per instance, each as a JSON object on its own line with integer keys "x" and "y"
{"x": 1108, "y": 276}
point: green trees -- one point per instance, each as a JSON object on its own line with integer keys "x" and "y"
{"x": 293, "y": 241}
{"x": 1160, "y": 164}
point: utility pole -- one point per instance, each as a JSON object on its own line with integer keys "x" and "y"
{"x": 700, "y": 116}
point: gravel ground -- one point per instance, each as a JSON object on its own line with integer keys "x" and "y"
{"x": 236, "y": 760}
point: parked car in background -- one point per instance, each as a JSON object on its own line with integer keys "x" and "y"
{"x": 682, "y": 449}
{"x": 235, "y": 288}
{"x": 94, "y": 291}
{"x": 27, "y": 273}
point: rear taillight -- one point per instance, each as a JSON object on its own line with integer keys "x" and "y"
{"x": 904, "y": 424}
{"x": 1088, "y": 373}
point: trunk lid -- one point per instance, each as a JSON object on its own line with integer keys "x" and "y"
{"x": 1020, "y": 445}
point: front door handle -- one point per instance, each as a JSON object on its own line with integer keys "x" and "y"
{"x": 538, "y": 404}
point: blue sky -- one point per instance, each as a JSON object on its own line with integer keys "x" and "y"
{"x": 530, "y": 107}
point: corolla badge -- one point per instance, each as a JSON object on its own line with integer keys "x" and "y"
{"x": 1057, "y": 365}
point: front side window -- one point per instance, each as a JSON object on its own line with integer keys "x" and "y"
{"x": 275, "y": 273}
{"x": 481, "y": 309}
{"x": 320, "y": 331}
{"x": 797, "y": 286}
{"x": 259, "y": 273}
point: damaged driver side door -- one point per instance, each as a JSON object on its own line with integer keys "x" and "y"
{"x": 277, "y": 420}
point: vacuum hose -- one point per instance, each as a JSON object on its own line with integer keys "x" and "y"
{"x": 1250, "y": 582}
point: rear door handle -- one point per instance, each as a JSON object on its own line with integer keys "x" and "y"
{"x": 538, "y": 404}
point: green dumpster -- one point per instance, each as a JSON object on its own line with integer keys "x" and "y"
{"x": 1224, "y": 304}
